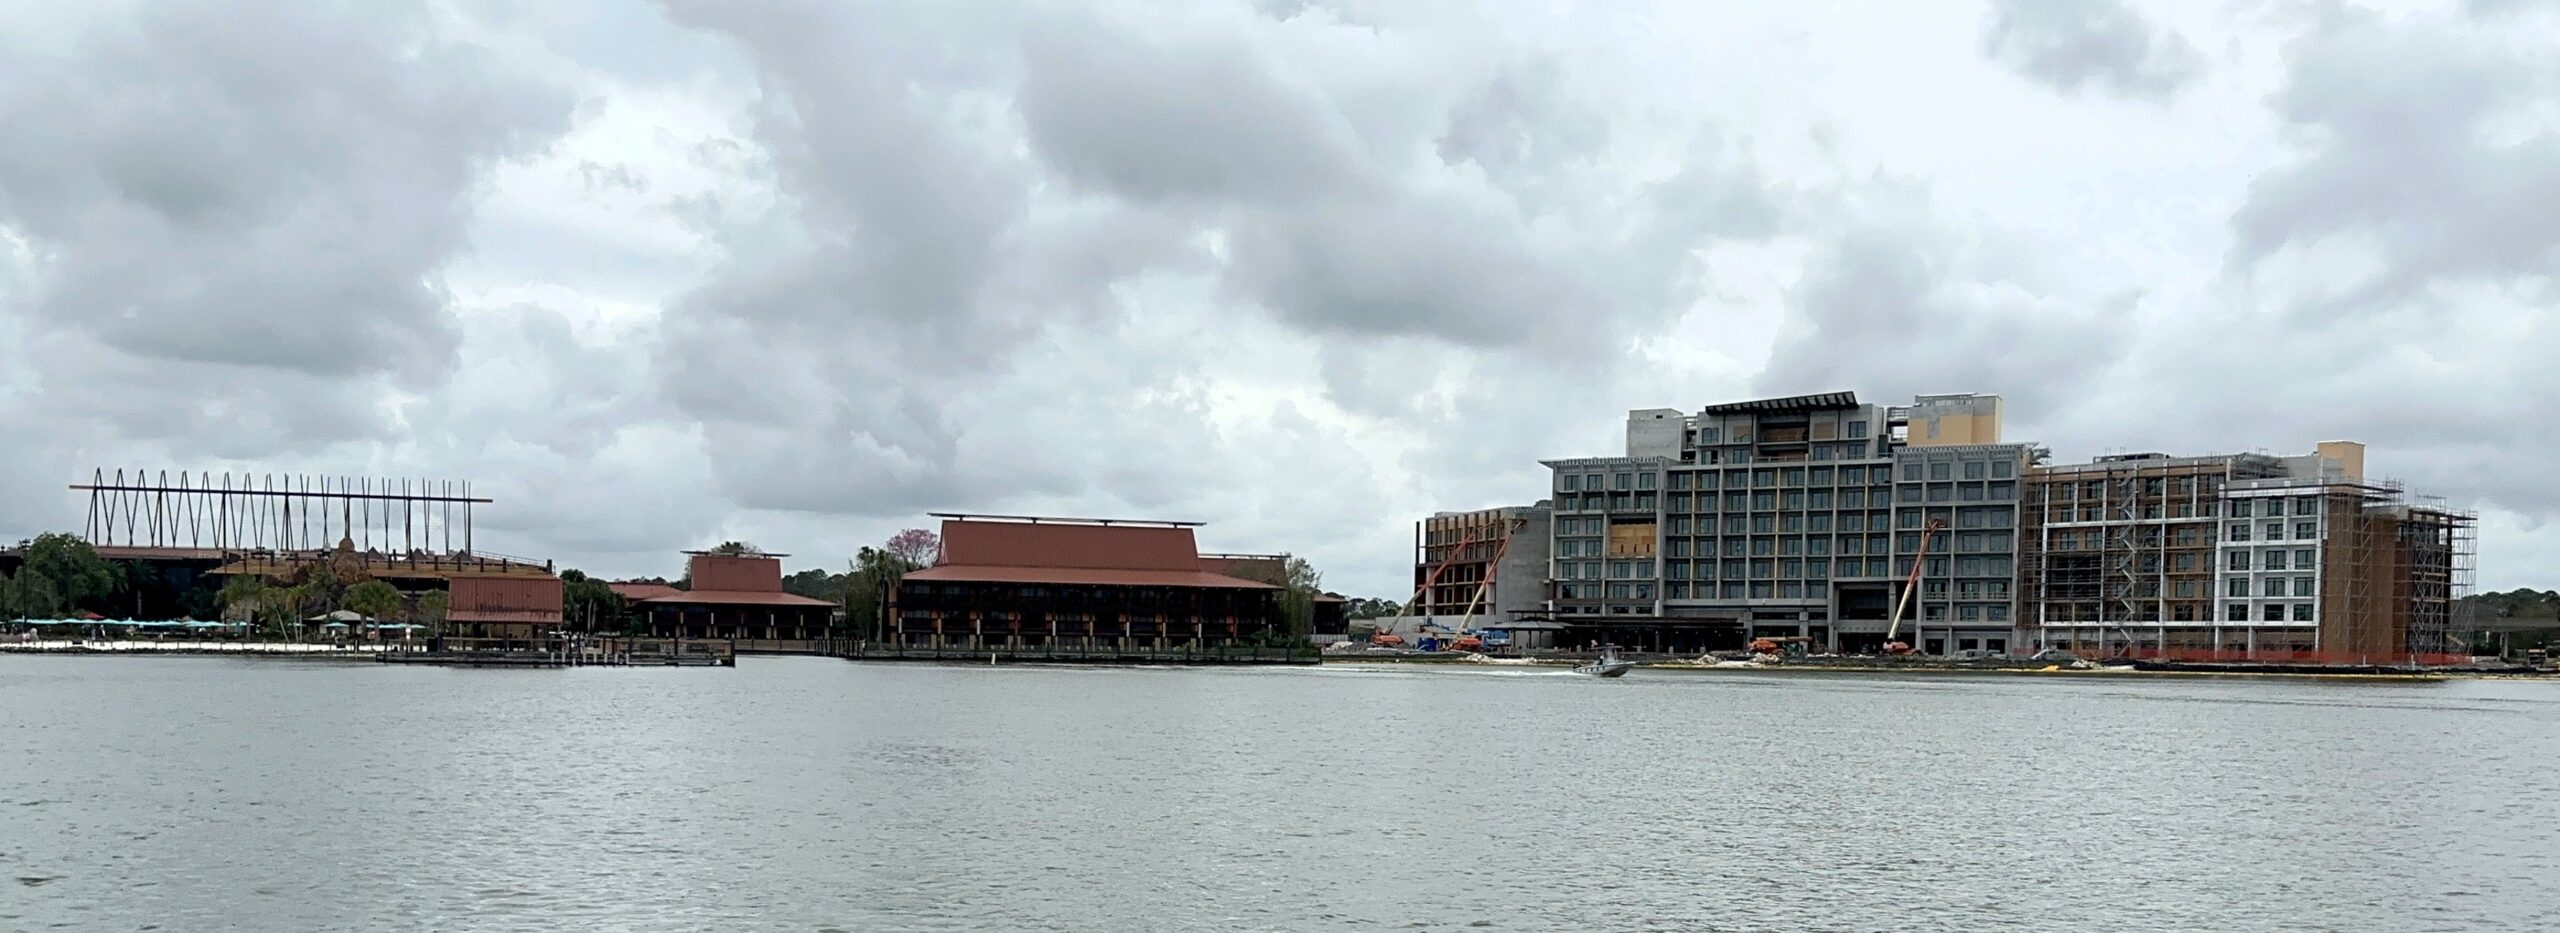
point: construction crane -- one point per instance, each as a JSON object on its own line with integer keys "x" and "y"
{"x": 1892, "y": 643}
{"x": 1458, "y": 550}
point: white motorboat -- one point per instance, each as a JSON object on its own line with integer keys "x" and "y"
{"x": 1609, "y": 665}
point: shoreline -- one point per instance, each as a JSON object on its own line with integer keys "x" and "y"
{"x": 2422, "y": 676}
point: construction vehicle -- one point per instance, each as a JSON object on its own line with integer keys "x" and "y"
{"x": 1791, "y": 646}
{"x": 1382, "y": 638}
{"x": 1893, "y": 644}
{"x": 1461, "y": 638}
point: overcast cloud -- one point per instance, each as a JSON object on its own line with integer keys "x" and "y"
{"x": 797, "y": 272}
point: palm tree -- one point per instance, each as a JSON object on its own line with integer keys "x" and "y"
{"x": 244, "y": 594}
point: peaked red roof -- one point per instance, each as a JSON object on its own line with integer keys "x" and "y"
{"x": 1088, "y": 547}
{"x": 1068, "y": 553}
{"x": 635, "y": 592}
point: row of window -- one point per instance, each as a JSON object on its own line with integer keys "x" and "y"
{"x": 1821, "y": 431}
{"x": 1780, "y": 477}
{"x": 2150, "y": 512}
{"x": 2096, "y": 490}
{"x": 1818, "y": 568}
{"x": 1913, "y": 471}
{"x": 2273, "y": 508}
{"x": 2302, "y": 559}
{"x": 2274, "y": 531}
{"x": 2238, "y": 587}
{"x": 1957, "y": 492}
{"x": 2121, "y": 538}
{"x": 2270, "y": 612}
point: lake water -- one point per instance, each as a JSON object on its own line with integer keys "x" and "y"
{"x": 809, "y": 794}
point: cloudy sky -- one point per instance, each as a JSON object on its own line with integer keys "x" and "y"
{"x": 656, "y": 275}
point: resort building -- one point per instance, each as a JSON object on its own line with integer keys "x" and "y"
{"x": 1797, "y": 517}
{"x": 2243, "y": 556}
{"x": 1847, "y": 523}
{"x": 730, "y": 595}
{"x": 1029, "y": 582}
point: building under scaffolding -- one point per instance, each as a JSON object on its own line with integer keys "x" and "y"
{"x": 2241, "y": 557}
{"x": 413, "y": 533}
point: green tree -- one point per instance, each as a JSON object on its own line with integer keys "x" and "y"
{"x": 243, "y": 597}
{"x": 589, "y": 604}
{"x": 1298, "y": 599}
{"x": 374, "y": 599}
{"x": 66, "y": 573}
{"x": 431, "y": 610}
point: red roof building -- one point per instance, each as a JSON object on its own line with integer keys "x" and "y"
{"x": 730, "y": 596}
{"x": 1006, "y": 582}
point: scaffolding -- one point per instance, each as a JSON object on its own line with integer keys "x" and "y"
{"x": 271, "y": 512}
{"x": 2121, "y": 550}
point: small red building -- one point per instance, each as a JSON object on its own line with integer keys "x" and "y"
{"x": 730, "y": 596}
{"x": 515, "y": 606}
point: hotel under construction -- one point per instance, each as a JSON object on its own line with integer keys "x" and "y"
{"x": 1807, "y": 516}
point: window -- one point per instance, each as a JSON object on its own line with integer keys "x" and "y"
{"x": 1791, "y": 546}
{"x": 1821, "y": 476}
{"x": 2302, "y": 586}
{"x": 1708, "y": 435}
{"x": 1567, "y": 482}
{"x": 2305, "y": 559}
{"x": 1853, "y": 521}
{"x": 2275, "y": 531}
{"x": 2239, "y": 560}
{"x": 2275, "y": 560}
{"x": 1821, "y": 499}
{"x": 1791, "y": 568}
{"x": 1970, "y": 492}
{"x": 1621, "y": 591}
{"x": 1908, "y": 494}
{"x": 1794, "y": 523}
{"x": 2302, "y": 612}
{"x": 2240, "y": 508}
{"x": 1853, "y": 476}
{"x": 1620, "y": 569}
{"x": 1822, "y": 451}
{"x": 1644, "y": 591}
{"x": 1736, "y": 546}
{"x": 1764, "y": 501}
{"x": 2274, "y": 612}
{"x": 1622, "y": 481}
{"x": 1760, "y": 547}
{"x": 1853, "y": 544}
{"x": 1819, "y": 524}
{"x": 1940, "y": 492}
{"x": 1794, "y": 500}
{"x": 2306, "y": 531}
{"x": 1818, "y": 546}
{"x": 1911, "y": 472}
{"x": 1857, "y": 429}
{"x": 1760, "y": 590}
{"x": 1764, "y": 524}
{"x": 1764, "y": 479}
{"x": 2003, "y": 469}
{"x": 1644, "y": 481}
{"x": 1853, "y": 498}
{"x": 1736, "y": 524}
{"x": 2239, "y": 531}
{"x": 1680, "y": 481}
{"x": 1973, "y": 469}
{"x": 2275, "y": 586}
{"x": 2238, "y": 587}
{"x": 2185, "y": 589}
{"x": 1591, "y": 569}
{"x": 2004, "y": 490}
{"x": 2306, "y": 505}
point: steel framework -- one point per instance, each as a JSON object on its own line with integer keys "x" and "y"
{"x": 287, "y": 512}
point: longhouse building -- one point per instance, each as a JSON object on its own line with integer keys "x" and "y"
{"x": 1023, "y": 582}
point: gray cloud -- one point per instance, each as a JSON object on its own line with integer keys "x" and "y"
{"x": 265, "y": 184}
{"x": 2100, "y": 44}
{"x": 2425, "y": 161}
{"x": 1899, "y": 301}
